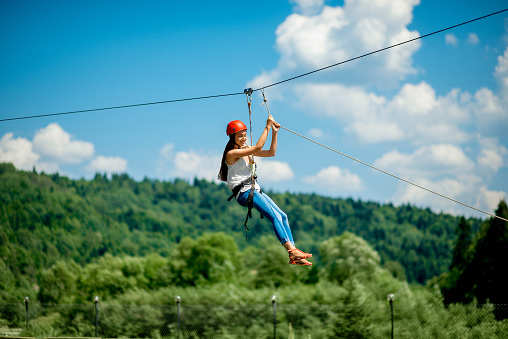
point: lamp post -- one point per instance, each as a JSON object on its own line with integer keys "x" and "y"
{"x": 96, "y": 302}
{"x": 27, "y": 300}
{"x": 274, "y": 307}
{"x": 178, "y": 301}
{"x": 391, "y": 297}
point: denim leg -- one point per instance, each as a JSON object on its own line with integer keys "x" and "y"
{"x": 266, "y": 207}
{"x": 285, "y": 220}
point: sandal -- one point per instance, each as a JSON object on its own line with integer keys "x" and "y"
{"x": 300, "y": 262}
{"x": 295, "y": 253}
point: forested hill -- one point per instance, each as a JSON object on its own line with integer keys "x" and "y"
{"x": 44, "y": 218}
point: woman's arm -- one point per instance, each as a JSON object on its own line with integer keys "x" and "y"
{"x": 273, "y": 146}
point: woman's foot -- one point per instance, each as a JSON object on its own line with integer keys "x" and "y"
{"x": 300, "y": 262}
{"x": 295, "y": 253}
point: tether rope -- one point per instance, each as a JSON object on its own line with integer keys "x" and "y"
{"x": 257, "y": 89}
{"x": 391, "y": 174}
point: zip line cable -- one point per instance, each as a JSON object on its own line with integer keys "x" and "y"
{"x": 257, "y": 89}
{"x": 390, "y": 174}
{"x": 123, "y": 106}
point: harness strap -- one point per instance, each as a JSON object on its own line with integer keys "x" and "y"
{"x": 238, "y": 187}
{"x": 250, "y": 199}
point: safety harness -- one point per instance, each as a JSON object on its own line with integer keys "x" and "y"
{"x": 250, "y": 198}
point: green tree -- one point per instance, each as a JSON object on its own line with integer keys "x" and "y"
{"x": 268, "y": 266}
{"x": 460, "y": 257}
{"x": 346, "y": 256}
{"x": 457, "y": 283}
{"x": 352, "y": 315}
{"x": 58, "y": 283}
{"x": 489, "y": 263}
{"x": 209, "y": 259}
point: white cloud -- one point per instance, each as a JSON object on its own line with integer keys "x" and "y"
{"x": 415, "y": 195}
{"x": 473, "y": 39}
{"x": 399, "y": 61}
{"x": 489, "y": 109}
{"x": 491, "y": 154}
{"x": 501, "y": 73}
{"x": 108, "y": 165}
{"x": 490, "y": 159}
{"x": 487, "y": 103}
{"x": 501, "y": 69}
{"x": 17, "y": 151}
{"x": 451, "y": 39}
{"x": 339, "y": 101}
{"x": 413, "y": 99}
{"x": 377, "y": 131}
{"x": 320, "y": 35}
{"x": 490, "y": 199}
{"x": 427, "y": 161}
{"x": 415, "y": 113}
{"x": 467, "y": 189}
{"x": 166, "y": 151}
{"x": 273, "y": 171}
{"x": 444, "y": 169}
{"x": 308, "y": 7}
{"x": 192, "y": 164}
{"x": 56, "y": 144}
{"x": 52, "y": 147}
{"x": 316, "y": 133}
{"x": 308, "y": 41}
{"x": 333, "y": 178}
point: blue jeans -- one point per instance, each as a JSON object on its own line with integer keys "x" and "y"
{"x": 270, "y": 210}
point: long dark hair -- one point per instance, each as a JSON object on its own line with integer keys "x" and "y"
{"x": 223, "y": 172}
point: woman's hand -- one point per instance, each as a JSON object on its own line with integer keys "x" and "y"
{"x": 275, "y": 124}
{"x": 275, "y": 127}
{"x": 269, "y": 121}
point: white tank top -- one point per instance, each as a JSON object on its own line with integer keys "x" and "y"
{"x": 239, "y": 172}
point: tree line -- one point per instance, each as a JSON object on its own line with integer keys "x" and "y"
{"x": 64, "y": 240}
{"x": 47, "y": 217}
{"x": 477, "y": 271}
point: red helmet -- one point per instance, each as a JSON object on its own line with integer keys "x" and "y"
{"x": 235, "y": 126}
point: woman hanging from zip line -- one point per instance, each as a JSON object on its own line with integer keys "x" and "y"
{"x": 236, "y": 170}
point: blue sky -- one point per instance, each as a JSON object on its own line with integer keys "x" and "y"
{"x": 433, "y": 111}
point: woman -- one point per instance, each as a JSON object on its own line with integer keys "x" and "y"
{"x": 235, "y": 170}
